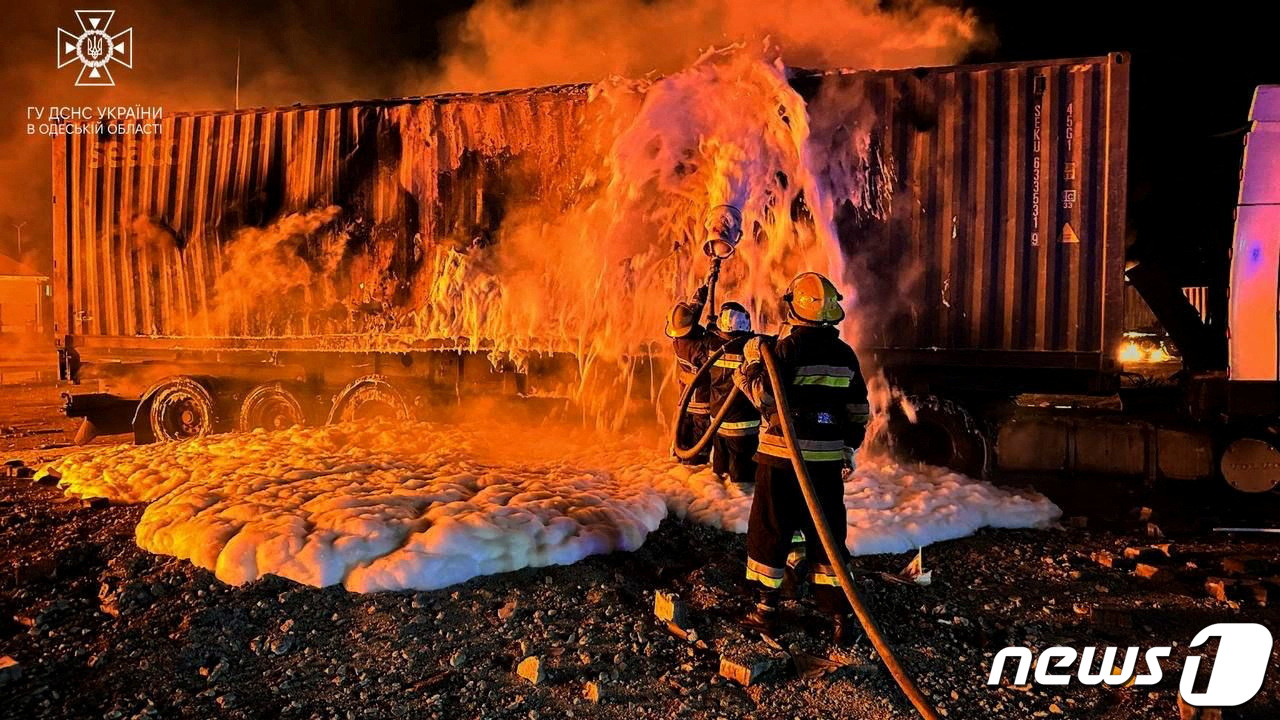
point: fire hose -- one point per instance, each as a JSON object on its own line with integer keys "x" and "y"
{"x": 834, "y": 551}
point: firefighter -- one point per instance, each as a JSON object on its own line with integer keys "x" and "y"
{"x": 828, "y": 401}
{"x": 688, "y": 337}
{"x": 734, "y": 445}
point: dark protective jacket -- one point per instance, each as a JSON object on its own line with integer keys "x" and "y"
{"x": 742, "y": 419}
{"x": 691, "y": 352}
{"x": 826, "y": 392}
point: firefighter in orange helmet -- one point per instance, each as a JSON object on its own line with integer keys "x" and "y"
{"x": 688, "y": 338}
{"x": 828, "y": 399}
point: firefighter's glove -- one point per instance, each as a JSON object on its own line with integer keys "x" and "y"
{"x": 751, "y": 352}
{"x": 700, "y": 295}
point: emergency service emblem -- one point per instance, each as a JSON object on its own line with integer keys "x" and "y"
{"x": 95, "y": 48}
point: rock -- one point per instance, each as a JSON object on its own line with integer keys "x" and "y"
{"x": 1154, "y": 531}
{"x": 281, "y": 645}
{"x": 95, "y": 503}
{"x": 458, "y": 659}
{"x": 531, "y": 669}
{"x": 1149, "y": 572}
{"x": 594, "y": 692}
{"x": 10, "y": 670}
{"x": 1217, "y": 588}
{"x": 506, "y": 611}
{"x": 1150, "y": 555}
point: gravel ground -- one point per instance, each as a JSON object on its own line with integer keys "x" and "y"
{"x": 99, "y": 628}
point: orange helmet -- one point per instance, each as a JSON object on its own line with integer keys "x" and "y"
{"x": 812, "y": 298}
{"x": 681, "y": 321}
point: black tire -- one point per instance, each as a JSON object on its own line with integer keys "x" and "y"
{"x": 368, "y": 398}
{"x": 935, "y": 431}
{"x": 271, "y": 406}
{"x": 181, "y": 408}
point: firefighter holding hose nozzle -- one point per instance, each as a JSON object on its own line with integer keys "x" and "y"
{"x": 688, "y": 337}
{"x": 828, "y": 400}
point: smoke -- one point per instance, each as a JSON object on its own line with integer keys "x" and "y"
{"x": 503, "y": 43}
{"x": 284, "y": 269}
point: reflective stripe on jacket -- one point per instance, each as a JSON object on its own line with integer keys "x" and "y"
{"x": 826, "y": 393}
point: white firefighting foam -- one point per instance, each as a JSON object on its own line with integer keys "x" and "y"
{"x": 423, "y": 506}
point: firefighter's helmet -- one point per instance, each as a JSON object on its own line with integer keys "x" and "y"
{"x": 812, "y": 298}
{"x": 733, "y": 319}
{"x": 682, "y": 320}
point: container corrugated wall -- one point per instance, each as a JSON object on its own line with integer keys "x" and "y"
{"x": 1006, "y": 231}
{"x": 140, "y": 245}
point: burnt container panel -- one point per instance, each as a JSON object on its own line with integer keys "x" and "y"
{"x": 1005, "y": 231}
{"x": 989, "y": 226}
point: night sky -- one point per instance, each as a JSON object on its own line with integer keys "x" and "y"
{"x": 1192, "y": 82}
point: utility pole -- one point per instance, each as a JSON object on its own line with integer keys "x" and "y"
{"x": 18, "y": 227}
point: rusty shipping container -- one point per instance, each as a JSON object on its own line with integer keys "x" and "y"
{"x": 1004, "y": 188}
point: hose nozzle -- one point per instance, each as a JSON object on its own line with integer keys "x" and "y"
{"x": 724, "y": 230}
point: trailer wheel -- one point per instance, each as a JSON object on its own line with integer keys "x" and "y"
{"x": 1251, "y": 465}
{"x": 935, "y": 431}
{"x": 180, "y": 408}
{"x": 367, "y": 398}
{"x": 271, "y": 406}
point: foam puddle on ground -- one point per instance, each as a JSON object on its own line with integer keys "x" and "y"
{"x": 422, "y": 506}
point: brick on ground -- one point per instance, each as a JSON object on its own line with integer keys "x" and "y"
{"x": 531, "y": 669}
{"x": 670, "y": 608}
{"x": 748, "y": 665}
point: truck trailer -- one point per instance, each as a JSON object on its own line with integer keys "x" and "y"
{"x": 1004, "y": 190}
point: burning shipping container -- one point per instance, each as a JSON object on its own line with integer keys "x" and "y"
{"x": 979, "y": 214}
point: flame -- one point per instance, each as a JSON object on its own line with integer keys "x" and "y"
{"x": 1131, "y": 353}
{"x": 599, "y": 276}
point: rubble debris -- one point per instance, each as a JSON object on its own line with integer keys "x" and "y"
{"x": 689, "y": 635}
{"x": 95, "y": 503}
{"x": 595, "y": 692}
{"x": 1187, "y": 711}
{"x": 670, "y": 608}
{"x": 747, "y": 666}
{"x": 10, "y": 670}
{"x": 1246, "y": 565}
{"x": 1150, "y": 572}
{"x": 913, "y": 574}
{"x": 1150, "y": 555}
{"x": 1217, "y": 588}
{"x": 1154, "y": 531}
{"x": 530, "y": 669}
{"x": 507, "y": 610}
{"x": 1111, "y": 619}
